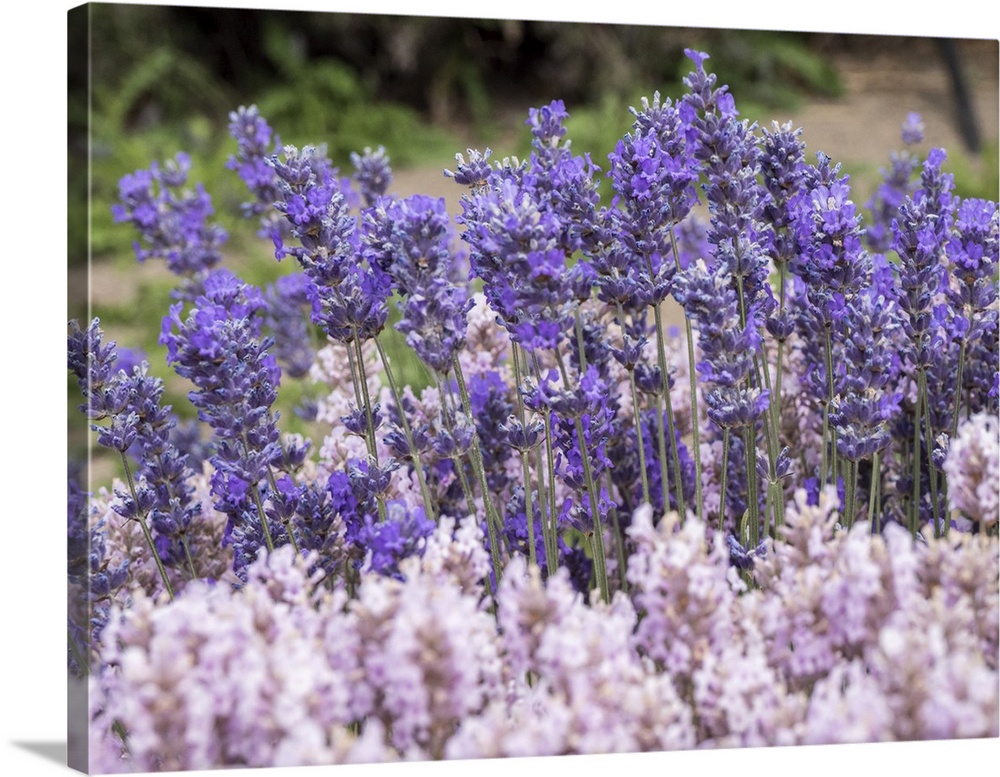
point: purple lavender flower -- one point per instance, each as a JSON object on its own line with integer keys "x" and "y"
{"x": 410, "y": 239}
{"x": 654, "y": 472}
{"x": 140, "y": 426}
{"x": 727, "y": 342}
{"x": 171, "y": 221}
{"x": 372, "y": 173}
{"x": 286, "y": 317}
{"x": 730, "y": 156}
{"x": 318, "y": 526}
{"x": 524, "y": 223}
{"x": 473, "y": 173}
{"x": 369, "y": 480}
{"x": 516, "y": 251}
{"x": 348, "y": 298}
{"x": 356, "y": 308}
{"x": 653, "y": 174}
{"x": 865, "y": 401}
{"x": 897, "y": 184}
{"x": 589, "y": 404}
{"x": 913, "y": 129}
{"x": 740, "y": 556}
{"x": 219, "y": 348}
{"x": 94, "y": 577}
{"x": 402, "y": 534}
{"x": 831, "y": 259}
{"x": 489, "y": 399}
{"x": 972, "y": 252}
{"x": 921, "y": 233}
{"x": 253, "y": 136}
{"x": 317, "y": 212}
{"x": 782, "y": 166}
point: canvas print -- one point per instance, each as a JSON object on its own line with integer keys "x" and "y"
{"x": 449, "y": 388}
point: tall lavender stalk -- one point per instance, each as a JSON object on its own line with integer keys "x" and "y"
{"x": 135, "y": 422}
{"x": 171, "y": 219}
{"x": 728, "y": 150}
{"x": 653, "y": 174}
{"x": 219, "y": 347}
{"x": 866, "y": 399}
{"x": 920, "y": 235}
{"x": 524, "y": 223}
{"x": 833, "y": 266}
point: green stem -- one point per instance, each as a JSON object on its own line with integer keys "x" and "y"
{"x": 528, "y": 501}
{"x": 619, "y": 543}
{"x": 363, "y": 382}
{"x": 262, "y": 516}
{"x": 958, "y": 390}
{"x": 850, "y": 488}
{"x": 370, "y": 435}
{"x": 286, "y": 524}
{"x": 695, "y": 432}
{"x": 449, "y": 425}
{"x": 550, "y": 460}
{"x": 597, "y": 537}
{"x": 873, "y": 495}
{"x": 529, "y": 510}
{"x": 725, "y": 475}
{"x": 779, "y": 490}
{"x": 187, "y": 555}
{"x": 824, "y": 445}
{"x": 145, "y": 529}
{"x": 429, "y": 506}
{"x": 668, "y": 404}
{"x": 579, "y": 340}
{"x": 636, "y": 417}
{"x": 548, "y": 522}
{"x": 826, "y": 410}
{"x": 752, "y": 502}
{"x": 81, "y": 662}
{"x": 492, "y": 518}
{"x": 929, "y": 441}
{"x": 639, "y": 438}
{"x": 915, "y": 496}
{"x": 354, "y": 378}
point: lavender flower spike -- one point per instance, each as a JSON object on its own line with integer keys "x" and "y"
{"x": 171, "y": 220}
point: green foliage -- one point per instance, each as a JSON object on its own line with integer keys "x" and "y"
{"x": 152, "y": 96}
{"x": 772, "y": 69}
{"x": 323, "y": 101}
{"x": 598, "y": 128}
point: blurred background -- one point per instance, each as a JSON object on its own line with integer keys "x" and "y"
{"x": 164, "y": 79}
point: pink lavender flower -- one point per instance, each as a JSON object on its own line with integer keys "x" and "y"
{"x": 973, "y": 469}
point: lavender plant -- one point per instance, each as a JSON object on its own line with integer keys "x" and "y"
{"x": 586, "y": 533}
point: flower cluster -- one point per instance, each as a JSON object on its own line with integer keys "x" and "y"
{"x": 171, "y": 221}
{"x": 590, "y": 529}
{"x": 874, "y": 639}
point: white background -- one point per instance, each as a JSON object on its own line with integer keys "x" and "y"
{"x": 32, "y": 373}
